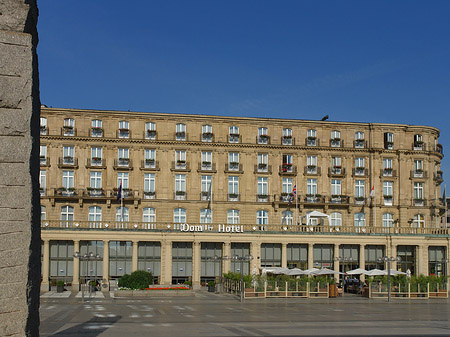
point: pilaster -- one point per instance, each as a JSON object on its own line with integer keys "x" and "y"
{"x": 45, "y": 285}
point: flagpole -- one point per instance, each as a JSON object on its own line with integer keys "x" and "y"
{"x": 296, "y": 203}
{"x": 446, "y": 207}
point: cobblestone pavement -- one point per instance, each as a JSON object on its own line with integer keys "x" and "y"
{"x": 209, "y": 314}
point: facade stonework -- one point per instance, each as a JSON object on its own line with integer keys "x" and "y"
{"x": 166, "y": 192}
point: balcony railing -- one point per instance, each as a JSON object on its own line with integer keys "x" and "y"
{"x": 339, "y": 199}
{"x": 96, "y": 163}
{"x": 207, "y": 167}
{"x": 150, "y": 165}
{"x": 336, "y": 171}
{"x": 123, "y": 163}
{"x": 180, "y": 165}
{"x": 233, "y": 196}
{"x": 360, "y": 144}
{"x": 123, "y": 133}
{"x": 419, "y": 146}
{"x": 44, "y": 161}
{"x": 418, "y": 174}
{"x": 68, "y": 131}
{"x": 388, "y": 172}
{"x": 287, "y": 140}
{"x": 150, "y": 134}
{"x": 126, "y": 193}
{"x": 287, "y": 169}
{"x": 438, "y": 177}
{"x": 419, "y": 202}
{"x": 234, "y": 138}
{"x": 95, "y": 192}
{"x": 43, "y": 130}
{"x": 149, "y": 195}
{"x": 67, "y": 162}
{"x": 312, "y": 170}
{"x": 439, "y": 149}
{"x": 263, "y": 139}
{"x": 360, "y": 172}
{"x": 314, "y": 199}
{"x": 246, "y": 228}
{"x": 336, "y": 142}
{"x": 262, "y": 198}
{"x": 181, "y": 136}
{"x": 262, "y": 168}
{"x": 96, "y": 132}
{"x": 66, "y": 192}
{"x": 234, "y": 168}
{"x": 207, "y": 137}
{"x": 180, "y": 195}
{"x": 312, "y": 141}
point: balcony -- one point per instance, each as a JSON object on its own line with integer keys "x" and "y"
{"x": 181, "y": 136}
{"x": 419, "y": 202}
{"x": 96, "y": 132}
{"x": 263, "y": 168}
{"x": 95, "y": 192}
{"x": 123, "y": 133}
{"x": 67, "y": 162}
{"x": 312, "y": 141}
{"x": 67, "y": 192}
{"x": 262, "y": 198}
{"x": 360, "y": 144}
{"x": 149, "y": 165}
{"x": 150, "y": 134}
{"x": 42, "y": 192}
{"x": 44, "y": 161}
{"x": 287, "y": 140}
{"x": 284, "y": 197}
{"x": 438, "y": 177}
{"x": 419, "y": 146}
{"x": 388, "y": 172}
{"x": 180, "y": 166}
{"x": 43, "y": 131}
{"x": 418, "y": 174}
{"x": 360, "y": 172}
{"x": 314, "y": 199}
{"x": 96, "y": 162}
{"x": 312, "y": 170}
{"x": 234, "y": 167}
{"x": 206, "y": 166}
{"x": 287, "y": 170}
{"x": 388, "y": 145}
{"x": 263, "y": 139}
{"x": 234, "y": 196}
{"x": 207, "y": 137}
{"x": 234, "y": 138}
{"x": 336, "y": 142}
{"x": 336, "y": 171}
{"x": 149, "y": 195}
{"x": 123, "y": 164}
{"x": 126, "y": 193}
{"x": 360, "y": 201}
{"x": 439, "y": 149}
{"x": 388, "y": 200}
{"x": 204, "y": 196}
{"x": 68, "y": 131}
{"x": 339, "y": 199}
{"x": 180, "y": 195}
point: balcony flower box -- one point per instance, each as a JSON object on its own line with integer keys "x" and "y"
{"x": 207, "y": 134}
{"x": 234, "y": 164}
{"x": 180, "y": 193}
{"x": 233, "y": 195}
{"x": 68, "y": 127}
{"x": 263, "y": 196}
{"x": 124, "y": 130}
{"x": 359, "y": 198}
{"x": 234, "y": 135}
{"x": 42, "y": 157}
{"x": 311, "y": 138}
{"x": 287, "y": 137}
{"x": 206, "y": 163}
{"x": 263, "y": 137}
{"x": 262, "y": 166}
{"x": 149, "y": 194}
{"x": 180, "y": 134}
{"x": 389, "y": 143}
{"x": 336, "y": 140}
{"x": 151, "y": 132}
{"x": 43, "y": 127}
{"x": 150, "y": 161}
{"x": 387, "y": 196}
{"x": 68, "y": 158}
{"x": 360, "y": 168}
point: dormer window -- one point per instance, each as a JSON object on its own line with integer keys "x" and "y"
{"x": 287, "y": 137}
{"x": 418, "y": 142}
{"x": 207, "y": 134}
{"x": 69, "y": 127}
{"x": 233, "y": 134}
{"x": 43, "y": 127}
{"x": 124, "y": 129}
{"x": 263, "y": 136}
{"x": 359, "y": 140}
{"x": 388, "y": 140}
{"x": 335, "y": 140}
{"x": 150, "y": 130}
{"x": 180, "y": 131}
{"x": 96, "y": 128}
{"x": 311, "y": 138}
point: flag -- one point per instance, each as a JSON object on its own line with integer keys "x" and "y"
{"x": 119, "y": 193}
{"x": 293, "y": 194}
{"x": 209, "y": 196}
{"x": 372, "y": 192}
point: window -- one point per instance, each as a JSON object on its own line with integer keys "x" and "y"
{"x": 311, "y": 187}
{"x": 360, "y": 192}
{"x": 263, "y": 193}
{"x": 180, "y": 186}
{"x": 335, "y": 219}
{"x": 263, "y": 159}
{"x": 207, "y": 161}
{"x": 206, "y": 187}
{"x": 286, "y": 189}
{"x": 311, "y": 164}
{"x": 335, "y": 138}
{"x": 122, "y": 178}
{"x": 233, "y": 216}
{"x": 43, "y": 126}
{"x": 43, "y": 154}
{"x": 96, "y": 180}
{"x": 418, "y": 168}
{"x": 233, "y": 161}
{"x": 359, "y": 166}
{"x": 359, "y": 140}
{"x": 95, "y": 217}
{"x": 205, "y": 215}
{"x": 180, "y": 159}
{"x": 336, "y": 187}
{"x": 42, "y": 182}
{"x": 436, "y": 261}
{"x": 207, "y": 134}
{"x": 69, "y": 127}
{"x": 96, "y": 128}
{"x": 122, "y": 215}
{"x": 418, "y": 194}
{"x": 233, "y": 188}
{"x": 68, "y": 180}
{"x": 287, "y": 137}
{"x": 388, "y": 220}
{"x": 360, "y": 220}
{"x": 262, "y": 218}
{"x": 179, "y": 215}
{"x": 233, "y": 136}
{"x": 311, "y": 139}
{"x": 388, "y": 192}
{"x": 68, "y": 155}
{"x": 150, "y": 130}
{"x": 388, "y": 140}
{"x": 148, "y": 215}
{"x": 149, "y": 158}
{"x": 387, "y": 167}
{"x": 124, "y": 129}
{"x": 418, "y": 142}
{"x": 287, "y": 218}
{"x": 263, "y": 136}
{"x": 66, "y": 216}
{"x": 149, "y": 185}
{"x": 123, "y": 153}
{"x": 43, "y": 213}
{"x": 336, "y": 165}
{"x": 180, "y": 132}
{"x": 96, "y": 156}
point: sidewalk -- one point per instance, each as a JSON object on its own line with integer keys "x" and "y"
{"x": 68, "y": 294}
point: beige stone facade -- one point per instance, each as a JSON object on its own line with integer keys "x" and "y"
{"x": 193, "y": 187}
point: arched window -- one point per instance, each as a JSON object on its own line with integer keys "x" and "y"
{"x": 335, "y": 219}
{"x": 360, "y": 220}
{"x": 233, "y": 216}
{"x": 148, "y": 217}
{"x": 287, "y": 218}
{"x": 66, "y": 216}
{"x": 388, "y": 220}
{"x": 205, "y": 215}
{"x": 262, "y": 218}
{"x": 95, "y": 217}
{"x": 179, "y": 215}
{"x": 419, "y": 221}
{"x": 122, "y": 214}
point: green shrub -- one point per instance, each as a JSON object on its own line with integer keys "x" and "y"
{"x": 211, "y": 284}
{"x": 60, "y": 284}
{"x": 188, "y": 283}
{"x": 138, "y": 279}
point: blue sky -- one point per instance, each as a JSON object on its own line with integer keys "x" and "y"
{"x": 362, "y": 61}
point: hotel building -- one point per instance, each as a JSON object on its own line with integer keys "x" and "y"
{"x": 169, "y": 192}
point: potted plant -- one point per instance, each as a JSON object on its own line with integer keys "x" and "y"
{"x": 92, "y": 286}
{"x": 211, "y": 286}
{"x": 60, "y": 286}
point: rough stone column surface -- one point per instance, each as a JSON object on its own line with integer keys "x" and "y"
{"x": 19, "y": 169}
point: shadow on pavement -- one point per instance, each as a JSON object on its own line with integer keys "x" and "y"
{"x": 93, "y": 327}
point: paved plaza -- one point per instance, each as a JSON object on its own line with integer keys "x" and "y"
{"x": 209, "y": 314}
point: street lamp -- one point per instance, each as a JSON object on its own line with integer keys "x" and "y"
{"x": 241, "y": 259}
{"x": 389, "y": 260}
{"x": 86, "y": 257}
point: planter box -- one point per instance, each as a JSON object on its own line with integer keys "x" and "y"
{"x": 153, "y": 293}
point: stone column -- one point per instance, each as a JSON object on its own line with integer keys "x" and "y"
{"x": 105, "y": 265}
{"x": 45, "y": 285}
{"x": 76, "y": 267}
{"x": 196, "y": 263}
{"x": 393, "y": 253}
{"x": 166, "y": 262}
{"x": 422, "y": 260}
{"x": 284, "y": 255}
{"x": 134, "y": 257}
{"x": 255, "y": 251}
{"x": 226, "y": 264}
{"x": 336, "y": 261}
{"x": 362, "y": 259}
{"x": 310, "y": 255}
